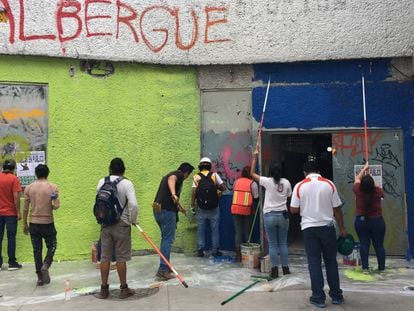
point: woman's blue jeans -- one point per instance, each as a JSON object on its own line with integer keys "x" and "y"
{"x": 277, "y": 226}
{"x": 371, "y": 229}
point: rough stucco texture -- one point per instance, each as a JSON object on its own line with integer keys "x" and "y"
{"x": 210, "y": 32}
{"x": 148, "y": 116}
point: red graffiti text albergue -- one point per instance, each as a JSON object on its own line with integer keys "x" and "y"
{"x": 79, "y": 15}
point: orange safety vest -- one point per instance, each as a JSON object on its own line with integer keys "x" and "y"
{"x": 242, "y": 197}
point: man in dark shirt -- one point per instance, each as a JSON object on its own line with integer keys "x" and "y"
{"x": 166, "y": 207}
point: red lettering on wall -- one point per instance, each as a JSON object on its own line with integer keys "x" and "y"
{"x": 210, "y": 23}
{"x": 75, "y": 18}
{"x": 62, "y": 14}
{"x": 178, "y": 40}
{"x": 90, "y": 17}
{"x": 126, "y": 19}
{"x": 354, "y": 142}
{"x": 153, "y": 48}
{"x": 22, "y": 35}
{"x": 10, "y": 17}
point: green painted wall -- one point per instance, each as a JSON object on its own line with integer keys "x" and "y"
{"x": 147, "y": 115}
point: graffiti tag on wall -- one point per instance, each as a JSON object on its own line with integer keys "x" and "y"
{"x": 23, "y": 120}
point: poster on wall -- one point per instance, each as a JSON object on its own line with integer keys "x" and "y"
{"x": 23, "y": 120}
{"x": 374, "y": 170}
{"x": 25, "y": 169}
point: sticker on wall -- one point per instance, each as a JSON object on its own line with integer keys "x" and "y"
{"x": 26, "y": 169}
{"x": 3, "y": 15}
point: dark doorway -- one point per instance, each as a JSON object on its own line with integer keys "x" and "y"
{"x": 292, "y": 150}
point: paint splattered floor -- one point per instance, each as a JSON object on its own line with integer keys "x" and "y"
{"x": 18, "y": 287}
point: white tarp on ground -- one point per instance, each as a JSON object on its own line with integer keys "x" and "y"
{"x": 18, "y": 287}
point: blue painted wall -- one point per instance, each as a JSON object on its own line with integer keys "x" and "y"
{"x": 328, "y": 94}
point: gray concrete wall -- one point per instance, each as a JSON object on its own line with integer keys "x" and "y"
{"x": 209, "y": 32}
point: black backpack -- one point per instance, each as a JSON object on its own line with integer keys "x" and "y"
{"x": 206, "y": 192}
{"x": 107, "y": 208}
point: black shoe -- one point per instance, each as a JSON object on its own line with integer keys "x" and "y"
{"x": 39, "y": 279}
{"x": 274, "y": 274}
{"x": 285, "y": 270}
{"x": 14, "y": 266}
{"x": 200, "y": 253}
{"x": 45, "y": 273}
{"x": 217, "y": 253}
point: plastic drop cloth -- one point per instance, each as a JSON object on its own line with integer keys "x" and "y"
{"x": 19, "y": 287}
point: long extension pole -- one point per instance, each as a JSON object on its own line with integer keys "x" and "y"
{"x": 240, "y": 292}
{"x": 259, "y": 137}
{"x": 162, "y": 256}
{"x": 259, "y": 134}
{"x": 365, "y": 118}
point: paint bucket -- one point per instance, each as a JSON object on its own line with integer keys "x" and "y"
{"x": 250, "y": 253}
{"x": 265, "y": 264}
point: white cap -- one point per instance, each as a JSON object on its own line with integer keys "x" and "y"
{"x": 205, "y": 160}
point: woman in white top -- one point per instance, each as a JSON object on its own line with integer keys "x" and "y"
{"x": 275, "y": 216}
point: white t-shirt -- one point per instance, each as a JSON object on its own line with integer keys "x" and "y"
{"x": 126, "y": 192}
{"x": 316, "y": 197}
{"x": 276, "y": 194}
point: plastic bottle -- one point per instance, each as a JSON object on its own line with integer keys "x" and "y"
{"x": 67, "y": 290}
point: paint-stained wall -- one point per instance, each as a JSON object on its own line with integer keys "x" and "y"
{"x": 328, "y": 95}
{"x": 208, "y": 32}
{"x": 147, "y": 115}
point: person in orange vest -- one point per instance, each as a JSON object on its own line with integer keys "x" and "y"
{"x": 245, "y": 197}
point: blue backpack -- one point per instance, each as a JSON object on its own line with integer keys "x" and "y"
{"x": 107, "y": 209}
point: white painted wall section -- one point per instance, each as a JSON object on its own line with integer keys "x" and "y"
{"x": 206, "y": 31}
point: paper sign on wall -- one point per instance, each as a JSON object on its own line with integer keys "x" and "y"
{"x": 374, "y": 170}
{"x": 26, "y": 169}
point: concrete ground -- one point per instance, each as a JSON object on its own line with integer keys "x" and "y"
{"x": 210, "y": 283}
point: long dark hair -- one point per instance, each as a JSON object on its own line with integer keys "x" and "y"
{"x": 275, "y": 171}
{"x": 367, "y": 187}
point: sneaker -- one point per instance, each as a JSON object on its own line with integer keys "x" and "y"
{"x": 164, "y": 275}
{"x": 217, "y": 253}
{"x": 126, "y": 292}
{"x": 45, "y": 273}
{"x": 365, "y": 271}
{"x": 14, "y": 266}
{"x": 103, "y": 293}
{"x": 39, "y": 279}
{"x": 338, "y": 301}
{"x": 318, "y": 304}
{"x": 200, "y": 253}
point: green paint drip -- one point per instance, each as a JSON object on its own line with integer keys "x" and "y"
{"x": 358, "y": 275}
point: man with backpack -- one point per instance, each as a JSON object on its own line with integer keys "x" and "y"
{"x": 166, "y": 207}
{"x": 206, "y": 185}
{"x": 116, "y": 210}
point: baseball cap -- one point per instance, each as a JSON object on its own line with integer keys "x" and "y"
{"x": 345, "y": 244}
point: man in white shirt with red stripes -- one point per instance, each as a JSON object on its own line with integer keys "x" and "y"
{"x": 318, "y": 202}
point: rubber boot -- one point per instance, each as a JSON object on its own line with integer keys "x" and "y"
{"x": 275, "y": 273}
{"x": 285, "y": 270}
